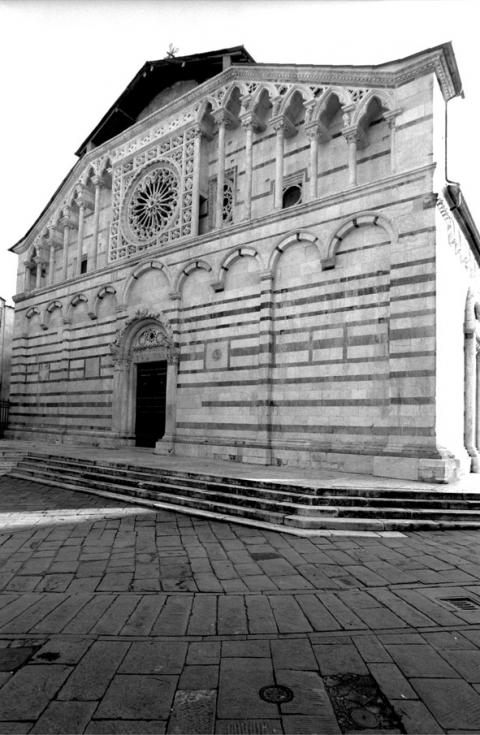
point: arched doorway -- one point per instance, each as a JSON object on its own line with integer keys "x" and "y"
{"x": 145, "y": 382}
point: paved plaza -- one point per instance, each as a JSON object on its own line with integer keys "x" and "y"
{"x": 116, "y": 618}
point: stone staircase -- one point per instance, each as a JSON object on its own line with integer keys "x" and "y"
{"x": 9, "y": 458}
{"x": 269, "y": 504}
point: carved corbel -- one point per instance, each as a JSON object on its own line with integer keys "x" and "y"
{"x": 266, "y": 276}
{"x": 328, "y": 263}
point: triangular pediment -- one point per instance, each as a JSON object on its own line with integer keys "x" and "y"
{"x": 156, "y": 84}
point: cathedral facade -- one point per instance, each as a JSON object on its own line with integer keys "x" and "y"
{"x": 263, "y": 264}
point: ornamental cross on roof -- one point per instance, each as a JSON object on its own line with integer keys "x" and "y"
{"x": 171, "y": 52}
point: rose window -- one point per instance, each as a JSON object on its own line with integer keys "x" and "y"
{"x": 152, "y": 203}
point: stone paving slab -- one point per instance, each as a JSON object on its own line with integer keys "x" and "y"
{"x": 119, "y": 619}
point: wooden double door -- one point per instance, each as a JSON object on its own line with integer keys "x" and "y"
{"x": 151, "y": 402}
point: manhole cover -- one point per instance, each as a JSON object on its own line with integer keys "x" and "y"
{"x": 461, "y": 603}
{"x": 358, "y": 703}
{"x": 276, "y": 694}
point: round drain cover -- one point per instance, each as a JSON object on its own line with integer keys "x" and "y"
{"x": 363, "y": 717}
{"x": 276, "y": 694}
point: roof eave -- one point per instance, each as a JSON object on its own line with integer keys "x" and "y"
{"x": 461, "y": 211}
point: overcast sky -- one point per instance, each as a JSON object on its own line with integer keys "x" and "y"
{"x": 64, "y": 62}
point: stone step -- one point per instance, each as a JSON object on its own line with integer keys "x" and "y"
{"x": 300, "y": 493}
{"x": 171, "y": 482}
{"x": 311, "y": 516}
{"x": 172, "y": 476}
{"x": 296, "y": 525}
{"x": 146, "y": 479}
{"x": 9, "y": 458}
{"x": 247, "y": 505}
{"x": 210, "y": 515}
{"x": 230, "y": 514}
{"x": 275, "y": 504}
{"x": 162, "y": 491}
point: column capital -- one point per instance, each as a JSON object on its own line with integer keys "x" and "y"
{"x": 222, "y": 116}
{"x": 98, "y": 180}
{"x": 201, "y": 130}
{"x": 347, "y": 112}
{"x": 173, "y": 356}
{"x": 250, "y": 121}
{"x": 351, "y": 133}
{"x": 283, "y": 122}
{"x": 317, "y": 130}
{"x": 66, "y": 222}
{"x": 391, "y": 117}
{"x": 84, "y": 198}
{"x": 54, "y": 238}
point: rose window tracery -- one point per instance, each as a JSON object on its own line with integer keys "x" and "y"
{"x": 153, "y": 203}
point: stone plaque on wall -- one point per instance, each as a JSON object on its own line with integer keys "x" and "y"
{"x": 216, "y": 356}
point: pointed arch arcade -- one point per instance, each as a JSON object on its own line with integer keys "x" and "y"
{"x": 145, "y": 338}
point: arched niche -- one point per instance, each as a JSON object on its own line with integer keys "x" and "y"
{"x": 194, "y": 283}
{"x": 295, "y": 259}
{"x": 262, "y": 106}
{"x": 240, "y": 268}
{"x": 146, "y": 337}
{"x": 374, "y": 139}
{"x": 104, "y": 303}
{"x": 149, "y": 284}
{"x": 360, "y": 240}
{"x": 243, "y": 275}
{"x": 77, "y": 312}
{"x": 32, "y": 321}
{"x": 53, "y": 315}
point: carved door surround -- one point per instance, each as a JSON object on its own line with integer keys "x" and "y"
{"x": 145, "y": 337}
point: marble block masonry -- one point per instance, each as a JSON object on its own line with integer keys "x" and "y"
{"x": 263, "y": 264}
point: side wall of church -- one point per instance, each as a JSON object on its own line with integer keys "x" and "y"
{"x": 458, "y": 343}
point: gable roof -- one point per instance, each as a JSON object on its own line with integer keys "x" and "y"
{"x": 152, "y": 78}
